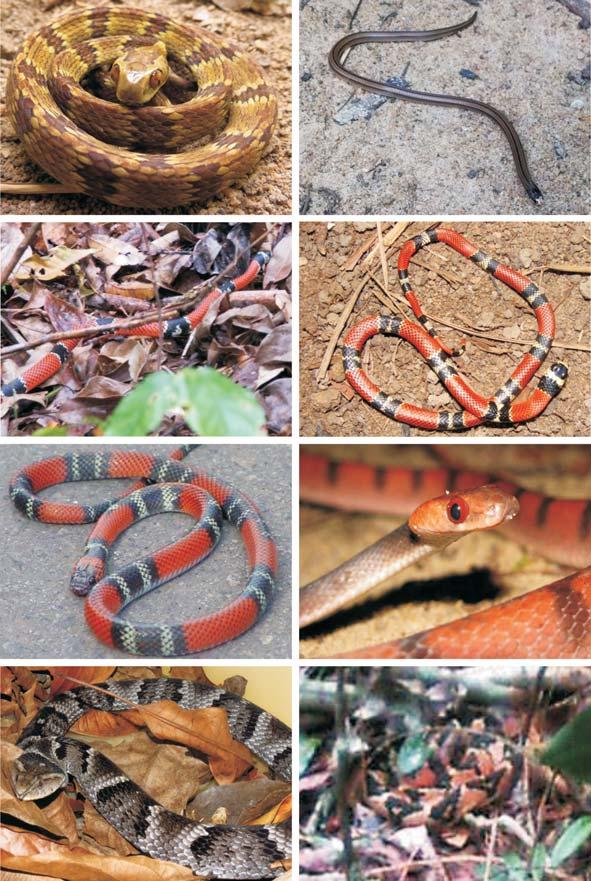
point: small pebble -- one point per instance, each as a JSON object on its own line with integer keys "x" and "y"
{"x": 468, "y": 74}
{"x": 577, "y": 104}
{"x": 560, "y": 150}
{"x": 306, "y": 76}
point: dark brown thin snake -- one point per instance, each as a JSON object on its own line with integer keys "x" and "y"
{"x": 390, "y": 91}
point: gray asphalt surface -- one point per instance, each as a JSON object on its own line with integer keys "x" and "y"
{"x": 42, "y": 618}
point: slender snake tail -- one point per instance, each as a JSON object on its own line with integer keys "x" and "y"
{"x": 390, "y": 91}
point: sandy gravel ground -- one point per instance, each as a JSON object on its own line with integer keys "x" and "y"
{"x": 266, "y": 191}
{"x": 46, "y": 620}
{"x": 529, "y": 60}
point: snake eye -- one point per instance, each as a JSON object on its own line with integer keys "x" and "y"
{"x": 115, "y": 72}
{"x": 155, "y": 79}
{"x": 457, "y": 509}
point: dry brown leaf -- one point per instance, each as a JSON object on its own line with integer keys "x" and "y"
{"x": 26, "y": 851}
{"x": 141, "y": 290}
{"x": 102, "y": 388}
{"x": 54, "y": 265}
{"x": 115, "y": 252}
{"x": 205, "y": 730}
{"x": 66, "y": 678}
{"x": 279, "y": 266}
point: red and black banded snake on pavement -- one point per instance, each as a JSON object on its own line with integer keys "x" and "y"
{"x": 390, "y": 90}
{"x": 175, "y": 328}
{"x": 173, "y": 486}
{"x": 499, "y": 409}
{"x": 553, "y": 621}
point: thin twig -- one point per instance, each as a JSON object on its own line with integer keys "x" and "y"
{"x": 8, "y": 189}
{"x": 150, "y": 259}
{"x": 327, "y": 358}
{"x": 20, "y": 249}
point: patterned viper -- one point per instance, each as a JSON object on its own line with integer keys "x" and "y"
{"x": 94, "y": 146}
{"x": 477, "y": 410}
{"x": 177, "y": 488}
{"x": 49, "y": 756}
{"x": 552, "y": 622}
{"x": 49, "y": 365}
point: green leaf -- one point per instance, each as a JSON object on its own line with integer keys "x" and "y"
{"x": 538, "y": 862}
{"x": 142, "y": 410}
{"x": 572, "y": 838}
{"x": 308, "y": 746}
{"x": 568, "y": 751}
{"x": 54, "y": 431}
{"x": 413, "y": 754}
{"x": 216, "y": 406}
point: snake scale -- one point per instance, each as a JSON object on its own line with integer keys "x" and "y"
{"x": 477, "y": 409}
{"x": 93, "y": 145}
{"x": 234, "y": 852}
{"x": 173, "y": 486}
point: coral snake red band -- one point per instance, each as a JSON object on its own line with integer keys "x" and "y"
{"x": 476, "y": 409}
{"x": 390, "y": 90}
{"x": 49, "y": 365}
{"x": 173, "y": 486}
{"x": 552, "y": 622}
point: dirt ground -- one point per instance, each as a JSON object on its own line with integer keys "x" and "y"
{"x": 361, "y": 154}
{"x": 266, "y": 191}
{"x": 415, "y": 600}
{"x": 45, "y": 619}
{"x": 332, "y": 261}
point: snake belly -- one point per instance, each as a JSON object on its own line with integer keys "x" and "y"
{"x": 234, "y": 852}
{"x": 499, "y": 409}
{"x": 230, "y": 85}
{"x": 109, "y": 595}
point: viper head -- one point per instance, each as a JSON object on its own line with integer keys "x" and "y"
{"x": 138, "y": 73}
{"x": 35, "y": 776}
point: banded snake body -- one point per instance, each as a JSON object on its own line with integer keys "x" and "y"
{"x": 553, "y": 621}
{"x": 213, "y": 851}
{"x": 175, "y": 328}
{"x": 389, "y": 90}
{"x": 499, "y": 409}
{"x": 173, "y": 486}
{"x": 94, "y": 146}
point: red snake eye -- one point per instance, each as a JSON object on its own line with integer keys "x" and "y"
{"x": 155, "y": 78}
{"x": 457, "y": 509}
{"x": 115, "y": 73}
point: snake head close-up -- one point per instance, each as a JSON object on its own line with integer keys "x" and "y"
{"x": 139, "y": 73}
{"x": 34, "y": 776}
{"x": 458, "y": 513}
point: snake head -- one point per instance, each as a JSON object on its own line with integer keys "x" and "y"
{"x": 86, "y": 573}
{"x": 139, "y": 73}
{"x": 450, "y": 516}
{"x": 35, "y": 776}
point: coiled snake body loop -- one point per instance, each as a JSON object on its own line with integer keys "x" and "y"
{"x": 235, "y": 852}
{"x": 500, "y": 408}
{"x": 96, "y": 150}
{"x": 178, "y": 487}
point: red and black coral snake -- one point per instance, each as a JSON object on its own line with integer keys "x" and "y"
{"x": 49, "y": 365}
{"x": 392, "y": 91}
{"x": 551, "y": 622}
{"x": 174, "y": 486}
{"x": 477, "y": 410}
